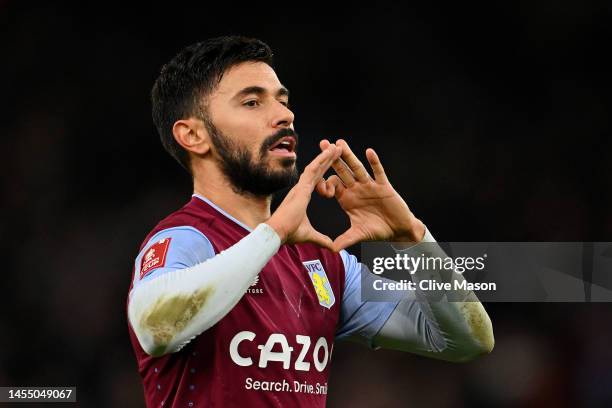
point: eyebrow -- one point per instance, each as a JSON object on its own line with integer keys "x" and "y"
{"x": 258, "y": 90}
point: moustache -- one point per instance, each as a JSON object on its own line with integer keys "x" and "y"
{"x": 271, "y": 140}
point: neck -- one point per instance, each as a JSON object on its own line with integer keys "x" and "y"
{"x": 246, "y": 208}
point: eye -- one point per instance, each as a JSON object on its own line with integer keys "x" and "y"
{"x": 285, "y": 103}
{"x": 251, "y": 104}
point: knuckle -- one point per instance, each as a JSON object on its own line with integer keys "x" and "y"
{"x": 306, "y": 177}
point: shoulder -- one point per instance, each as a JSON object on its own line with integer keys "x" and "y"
{"x": 172, "y": 248}
{"x": 190, "y": 215}
{"x": 180, "y": 238}
{"x": 181, "y": 235}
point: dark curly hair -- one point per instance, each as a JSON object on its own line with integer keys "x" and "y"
{"x": 191, "y": 76}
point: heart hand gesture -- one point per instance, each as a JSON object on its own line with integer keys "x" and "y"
{"x": 376, "y": 211}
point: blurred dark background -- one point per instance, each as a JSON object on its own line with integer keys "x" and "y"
{"x": 492, "y": 121}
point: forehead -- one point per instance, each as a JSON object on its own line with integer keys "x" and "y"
{"x": 245, "y": 75}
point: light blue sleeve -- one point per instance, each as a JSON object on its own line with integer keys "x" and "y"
{"x": 358, "y": 319}
{"x": 187, "y": 247}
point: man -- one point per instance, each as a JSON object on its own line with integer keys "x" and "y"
{"x": 231, "y": 305}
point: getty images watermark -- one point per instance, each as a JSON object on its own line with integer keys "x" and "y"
{"x": 423, "y": 263}
{"x": 493, "y": 271}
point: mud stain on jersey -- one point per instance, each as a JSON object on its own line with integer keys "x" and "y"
{"x": 170, "y": 314}
{"x": 479, "y": 323}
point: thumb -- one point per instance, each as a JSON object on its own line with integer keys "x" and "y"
{"x": 319, "y": 239}
{"x": 345, "y": 240}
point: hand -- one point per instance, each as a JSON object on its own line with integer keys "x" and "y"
{"x": 290, "y": 220}
{"x": 375, "y": 210}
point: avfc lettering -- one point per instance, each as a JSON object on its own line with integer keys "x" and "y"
{"x": 319, "y": 356}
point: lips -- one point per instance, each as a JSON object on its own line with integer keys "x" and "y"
{"x": 286, "y": 144}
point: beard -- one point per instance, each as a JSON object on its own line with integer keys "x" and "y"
{"x": 249, "y": 176}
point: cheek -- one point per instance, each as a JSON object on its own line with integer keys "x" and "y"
{"x": 246, "y": 129}
{"x": 248, "y": 135}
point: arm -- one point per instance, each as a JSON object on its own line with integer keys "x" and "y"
{"x": 451, "y": 331}
{"x": 169, "y": 310}
{"x": 166, "y": 312}
{"x": 454, "y": 331}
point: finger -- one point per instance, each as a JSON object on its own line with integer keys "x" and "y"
{"x": 377, "y": 168}
{"x": 345, "y": 240}
{"x": 334, "y": 184}
{"x": 344, "y": 172}
{"x": 325, "y": 189}
{"x": 315, "y": 170}
{"x": 323, "y": 144}
{"x": 358, "y": 169}
{"x": 319, "y": 239}
{"x": 340, "y": 167}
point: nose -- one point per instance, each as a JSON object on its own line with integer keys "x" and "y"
{"x": 283, "y": 117}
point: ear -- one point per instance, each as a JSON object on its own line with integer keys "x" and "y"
{"x": 192, "y": 135}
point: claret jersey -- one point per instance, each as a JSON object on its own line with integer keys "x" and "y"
{"x": 274, "y": 348}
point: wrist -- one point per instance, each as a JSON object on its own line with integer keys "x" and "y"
{"x": 414, "y": 233}
{"x": 277, "y": 227}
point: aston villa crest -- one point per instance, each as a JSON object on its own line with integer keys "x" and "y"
{"x": 321, "y": 285}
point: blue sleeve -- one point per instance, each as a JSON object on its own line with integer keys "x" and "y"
{"x": 357, "y": 318}
{"x": 173, "y": 248}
